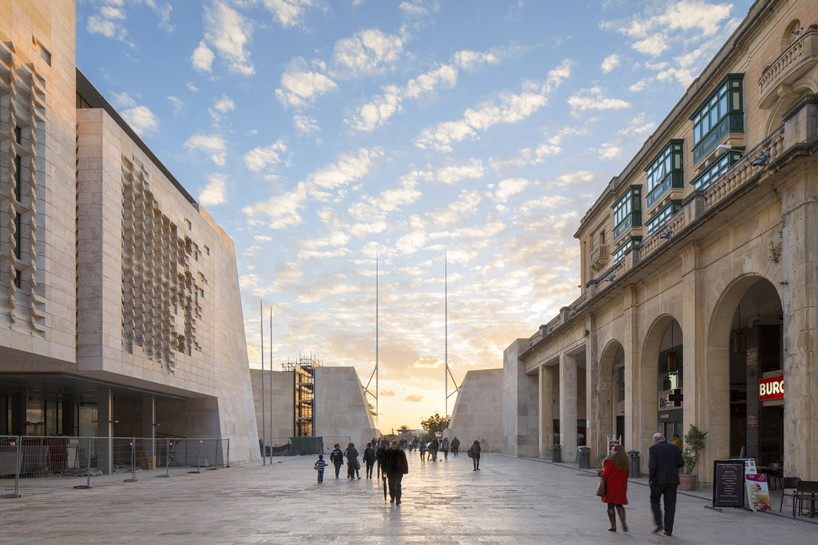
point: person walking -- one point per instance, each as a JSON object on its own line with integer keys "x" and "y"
{"x": 353, "y": 466}
{"x": 444, "y": 447}
{"x": 395, "y": 467}
{"x": 337, "y": 458}
{"x": 369, "y": 459}
{"x": 320, "y": 466}
{"x": 664, "y": 463}
{"x": 615, "y": 471}
{"x": 433, "y": 448}
{"x": 379, "y": 453}
{"x": 474, "y": 454}
{"x": 456, "y": 446}
{"x": 422, "y": 449}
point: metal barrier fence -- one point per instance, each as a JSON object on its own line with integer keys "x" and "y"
{"x": 40, "y": 463}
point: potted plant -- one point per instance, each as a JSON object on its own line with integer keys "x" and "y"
{"x": 694, "y": 441}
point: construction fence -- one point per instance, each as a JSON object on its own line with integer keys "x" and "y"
{"x": 31, "y": 464}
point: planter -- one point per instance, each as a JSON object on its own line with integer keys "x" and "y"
{"x": 687, "y": 482}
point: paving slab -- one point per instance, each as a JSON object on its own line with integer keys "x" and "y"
{"x": 510, "y": 501}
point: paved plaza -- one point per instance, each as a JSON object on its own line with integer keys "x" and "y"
{"x": 510, "y": 501}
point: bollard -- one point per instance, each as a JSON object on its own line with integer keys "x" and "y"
{"x": 87, "y": 484}
{"x": 133, "y": 462}
{"x": 635, "y": 465}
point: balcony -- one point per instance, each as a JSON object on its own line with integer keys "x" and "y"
{"x": 798, "y": 59}
{"x": 724, "y": 129}
{"x": 599, "y": 256}
{"x": 672, "y": 180}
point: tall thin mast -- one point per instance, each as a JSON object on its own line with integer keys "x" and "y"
{"x": 377, "y": 338}
{"x": 263, "y": 414}
{"x": 446, "y": 327}
{"x": 271, "y": 385}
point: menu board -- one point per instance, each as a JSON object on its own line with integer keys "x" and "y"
{"x": 758, "y": 493}
{"x": 728, "y": 483}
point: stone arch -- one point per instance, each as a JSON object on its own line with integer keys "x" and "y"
{"x": 613, "y": 354}
{"x": 715, "y": 407}
{"x": 648, "y": 383}
{"x": 791, "y": 33}
{"x": 799, "y": 90}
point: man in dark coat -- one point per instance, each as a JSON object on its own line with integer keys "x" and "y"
{"x": 369, "y": 459}
{"x": 664, "y": 463}
{"x": 380, "y": 451}
{"x": 337, "y": 458}
{"x": 455, "y": 446}
{"x": 395, "y": 467}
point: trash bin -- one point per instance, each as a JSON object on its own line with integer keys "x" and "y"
{"x": 583, "y": 457}
{"x": 556, "y": 453}
{"x": 636, "y": 470}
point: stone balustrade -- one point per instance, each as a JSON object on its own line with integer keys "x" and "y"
{"x": 790, "y": 65}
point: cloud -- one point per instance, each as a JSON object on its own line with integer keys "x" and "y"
{"x": 455, "y": 173}
{"x": 640, "y": 85}
{"x": 609, "y": 151}
{"x": 466, "y": 203}
{"x": 413, "y": 398}
{"x": 305, "y": 124}
{"x": 301, "y": 87}
{"x": 102, "y": 26}
{"x": 469, "y": 60}
{"x": 509, "y": 108}
{"x": 418, "y": 8}
{"x": 593, "y": 98}
{"x": 176, "y": 103}
{"x": 571, "y": 178}
{"x": 215, "y": 192}
{"x": 211, "y": 144}
{"x": 377, "y": 111}
{"x": 444, "y": 76}
{"x": 610, "y": 63}
{"x": 281, "y": 211}
{"x": 260, "y": 158}
{"x": 228, "y": 34}
{"x": 140, "y": 118}
{"x": 287, "y": 12}
{"x": 509, "y": 187}
{"x": 389, "y": 200}
{"x": 638, "y": 126}
{"x": 652, "y": 45}
{"x": 347, "y": 168}
{"x": 368, "y": 52}
{"x": 221, "y": 106}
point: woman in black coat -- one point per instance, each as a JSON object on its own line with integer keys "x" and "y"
{"x": 353, "y": 467}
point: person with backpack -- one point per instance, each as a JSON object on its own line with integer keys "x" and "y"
{"x": 319, "y": 466}
{"x": 353, "y": 466}
{"x": 456, "y": 446}
{"x": 337, "y": 459}
{"x": 615, "y": 471}
{"x": 369, "y": 459}
{"x": 474, "y": 454}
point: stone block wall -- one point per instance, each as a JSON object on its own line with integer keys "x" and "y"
{"x": 477, "y": 413}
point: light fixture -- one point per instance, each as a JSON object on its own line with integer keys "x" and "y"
{"x": 721, "y": 149}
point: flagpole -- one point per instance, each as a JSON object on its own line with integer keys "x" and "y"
{"x": 271, "y": 385}
{"x": 446, "y": 327}
{"x": 263, "y": 414}
{"x": 377, "y": 337}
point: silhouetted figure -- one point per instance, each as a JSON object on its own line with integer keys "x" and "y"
{"x": 395, "y": 467}
{"x": 369, "y": 459}
{"x": 474, "y": 454}
{"x": 456, "y": 446}
{"x": 337, "y": 458}
{"x": 379, "y": 453}
{"x": 664, "y": 463}
{"x": 353, "y": 467}
{"x": 444, "y": 447}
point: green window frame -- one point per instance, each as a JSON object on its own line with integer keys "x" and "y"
{"x": 717, "y": 169}
{"x": 627, "y": 211}
{"x": 721, "y": 113}
{"x": 620, "y": 251}
{"x": 665, "y": 171}
{"x": 662, "y": 217}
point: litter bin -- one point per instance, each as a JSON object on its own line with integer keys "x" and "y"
{"x": 636, "y": 470}
{"x": 556, "y": 453}
{"x": 583, "y": 457}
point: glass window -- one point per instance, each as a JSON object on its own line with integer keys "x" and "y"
{"x": 623, "y": 248}
{"x": 18, "y": 177}
{"x": 721, "y": 104}
{"x": 627, "y": 211}
{"x": 662, "y": 217}
{"x": 716, "y": 170}
{"x": 18, "y": 135}
{"x": 18, "y": 236}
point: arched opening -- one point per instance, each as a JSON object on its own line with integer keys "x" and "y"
{"x": 662, "y": 381}
{"x": 791, "y": 33}
{"x": 746, "y": 338}
{"x": 611, "y": 393}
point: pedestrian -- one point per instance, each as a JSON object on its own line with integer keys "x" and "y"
{"x": 615, "y": 471}
{"x": 395, "y": 467}
{"x": 664, "y": 463}
{"x": 422, "y": 449}
{"x": 456, "y": 446}
{"x": 444, "y": 446}
{"x": 379, "y": 453}
{"x": 474, "y": 454}
{"x": 677, "y": 441}
{"x": 434, "y": 445}
{"x": 353, "y": 467}
{"x": 369, "y": 459}
{"x": 337, "y": 458}
{"x": 319, "y": 466}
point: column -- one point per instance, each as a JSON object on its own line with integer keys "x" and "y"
{"x": 568, "y": 407}
{"x": 753, "y": 404}
{"x": 546, "y": 411}
{"x": 633, "y": 432}
{"x": 148, "y": 444}
{"x": 105, "y": 429}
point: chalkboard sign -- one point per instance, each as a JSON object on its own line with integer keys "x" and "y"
{"x": 728, "y": 483}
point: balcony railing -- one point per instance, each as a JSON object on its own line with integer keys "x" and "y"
{"x": 600, "y": 256}
{"x": 732, "y": 123}
{"x": 790, "y": 65}
{"x": 673, "y": 179}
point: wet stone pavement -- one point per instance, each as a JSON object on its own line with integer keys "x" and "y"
{"x": 510, "y": 501}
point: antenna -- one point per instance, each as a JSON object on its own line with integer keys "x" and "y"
{"x": 447, "y": 373}
{"x": 263, "y": 414}
{"x": 375, "y": 372}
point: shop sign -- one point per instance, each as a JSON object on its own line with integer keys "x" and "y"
{"x": 770, "y": 388}
{"x": 758, "y": 492}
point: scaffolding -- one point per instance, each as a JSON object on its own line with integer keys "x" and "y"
{"x": 303, "y": 370}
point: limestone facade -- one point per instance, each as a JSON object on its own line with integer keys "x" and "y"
{"x": 121, "y": 292}
{"x": 699, "y": 269}
{"x": 478, "y": 410}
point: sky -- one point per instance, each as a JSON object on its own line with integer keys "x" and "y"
{"x": 324, "y": 135}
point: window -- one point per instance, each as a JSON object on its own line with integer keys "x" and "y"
{"x": 189, "y": 225}
{"x": 207, "y": 250}
{"x": 663, "y": 216}
{"x": 665, "y": 171}
{"x": 716, "y": 170}
{"x": 721, "y": 114}
{"x": 18, "y": 236}
{"x": 623, "y": 248}
{"x": 18, "y": 135}
{"x": 627, "y": 211}
{"x": 17, "y": 278}
{"x": 18, "y": 177}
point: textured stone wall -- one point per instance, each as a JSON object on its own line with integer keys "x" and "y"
{"x": 478, "y": 410}
{"x": 341, "y": 408}
{"x": 279, "y": 421}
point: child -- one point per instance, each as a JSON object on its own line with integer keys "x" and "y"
{"x": 319, "y": 467}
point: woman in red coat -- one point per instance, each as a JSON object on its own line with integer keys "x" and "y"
{"x": 615, "y": 472}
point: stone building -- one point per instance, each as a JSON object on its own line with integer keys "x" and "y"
{"x": 121, "y": 311}
{"x": 699, "y": 274}
{"x": 478, "y": 409}
{"x": 335, "y": 406}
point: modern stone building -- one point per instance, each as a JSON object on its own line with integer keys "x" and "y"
{"x": 699, "y": 269}
{"x": 121, "y": 311}
{"x": 478, "y": 410}
{"x": 335, "y": 408}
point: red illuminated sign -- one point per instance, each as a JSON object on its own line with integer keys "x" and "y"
{"x": 770, "y": 388}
